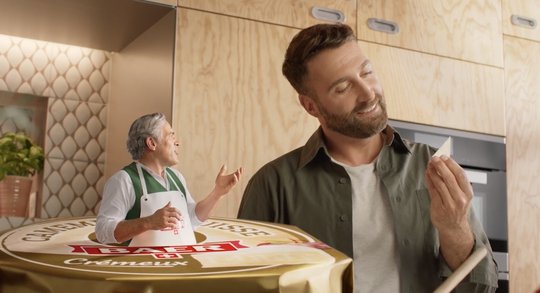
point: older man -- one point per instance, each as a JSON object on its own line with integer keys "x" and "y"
{"x": 152, "y": 144}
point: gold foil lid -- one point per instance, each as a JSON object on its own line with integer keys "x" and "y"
{"x": 224, "y": 246}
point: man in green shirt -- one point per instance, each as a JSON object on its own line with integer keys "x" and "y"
{"x": 404, "y": 217}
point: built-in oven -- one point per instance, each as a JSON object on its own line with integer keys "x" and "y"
{"x": 483, "y": 157}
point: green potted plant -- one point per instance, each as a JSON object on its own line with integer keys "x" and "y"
{"x": 20, "y": 159}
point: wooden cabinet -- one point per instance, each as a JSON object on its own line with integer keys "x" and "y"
{"x": 231, "y": 103}
{"x": 520, "y": 18}
{"x": 293, "y": 13}
{"x": 522, "y": 75}
{"x": 171, "y": 3}
{"x": 434, "y": 90}
{"x": 467, "y": 30}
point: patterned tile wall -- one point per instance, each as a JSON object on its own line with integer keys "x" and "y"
{"x": 76, "y": 82}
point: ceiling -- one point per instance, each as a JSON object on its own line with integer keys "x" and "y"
{"x": 99, "y": 24}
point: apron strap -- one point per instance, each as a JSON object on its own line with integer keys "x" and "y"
{"x": 134, "y": 212}
{"x": 176, "y": 181}
{"x": 143, "y": 182}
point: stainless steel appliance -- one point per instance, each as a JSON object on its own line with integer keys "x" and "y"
{"x": 483, "y": 157}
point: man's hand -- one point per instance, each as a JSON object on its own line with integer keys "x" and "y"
{"x": 224, "y": 183}
{"x": 166, "y": 217}
{"x": 451, "y": 195}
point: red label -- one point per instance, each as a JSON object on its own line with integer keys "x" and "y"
{"x": 162, "y": 250}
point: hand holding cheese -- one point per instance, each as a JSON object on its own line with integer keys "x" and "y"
{"x": 451, "y": 195}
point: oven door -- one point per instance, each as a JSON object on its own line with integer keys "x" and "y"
{"x": 489, "y": 204}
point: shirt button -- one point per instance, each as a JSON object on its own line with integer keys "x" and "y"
{"x": 343, "y": 218}
{"x": 405, "y": 242}
{"x": 342, "y": 180}
{"x": 398, "y": 199}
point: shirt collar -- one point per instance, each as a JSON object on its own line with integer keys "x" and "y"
{"x": 315, "y": 145}
{"x": 161, "y": 179}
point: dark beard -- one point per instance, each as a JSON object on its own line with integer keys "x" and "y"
{"x": 350, "y": 125}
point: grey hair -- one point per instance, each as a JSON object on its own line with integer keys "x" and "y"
{"x": 142, "y": 128}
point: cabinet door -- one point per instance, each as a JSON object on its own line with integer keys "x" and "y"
{"x": 522, "y": 72}
{"x": 294, "y": 13}
{"x": 434, "y": 90}
{"x": 231, "y": 103}
{"x": 467, "y": 30}
{"x": 521, "y": 17}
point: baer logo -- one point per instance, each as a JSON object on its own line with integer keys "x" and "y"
{"x": 159, "y": 251}
{"x": 223, "y": 245}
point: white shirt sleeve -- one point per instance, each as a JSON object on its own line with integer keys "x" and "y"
{"x": 191, "y": 204}
{"x": 118, "y": 199}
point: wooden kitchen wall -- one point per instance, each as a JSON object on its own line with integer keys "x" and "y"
{"x": 522, "y": 82}
{"x": 232, "y": 105}
{"x": 522, "y": 68}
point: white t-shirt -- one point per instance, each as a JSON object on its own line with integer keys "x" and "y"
{"x": 119, "y": 197}
{"x": 376, "y": 259}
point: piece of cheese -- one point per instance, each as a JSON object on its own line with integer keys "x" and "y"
{"x": 445, "y": 149}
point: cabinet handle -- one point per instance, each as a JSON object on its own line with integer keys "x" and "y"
{"x": 523, "y": 21}
{"x": 327, "y": 14}
{"x": 383, "y": 25}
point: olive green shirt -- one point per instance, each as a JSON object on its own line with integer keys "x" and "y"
{"x": 306, "y": 189}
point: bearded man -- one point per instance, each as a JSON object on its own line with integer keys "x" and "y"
{"x": 404, "y": 217}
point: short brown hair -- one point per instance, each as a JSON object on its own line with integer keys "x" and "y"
{"x": 308, "y": 43}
